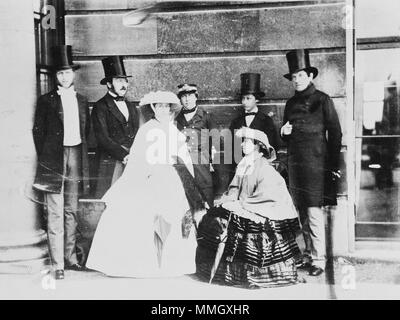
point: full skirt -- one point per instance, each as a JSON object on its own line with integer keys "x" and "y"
{"x": 140, "y": 234}
{"x": 255, "y": 255}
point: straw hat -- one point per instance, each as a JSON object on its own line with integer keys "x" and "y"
{"x": 259, "y": 136}
{"x": 161, "y": 97}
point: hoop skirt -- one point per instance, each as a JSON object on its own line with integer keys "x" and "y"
{"x": 257, "y": 253}
{"x": 141, "y": 232}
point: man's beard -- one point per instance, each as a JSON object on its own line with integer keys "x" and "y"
{"x": 112, "y": 89}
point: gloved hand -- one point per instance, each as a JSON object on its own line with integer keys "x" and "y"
{"x": 286, "y": 130}
{"x": 336, "y": 174}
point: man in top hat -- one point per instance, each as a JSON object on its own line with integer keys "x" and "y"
{"x": 60, "y": 130}
{"x": 197, "y": 124}
{"x": 115, "y": 123}
{"x": 251, "y": 116}
{"x": 313, "y": 135}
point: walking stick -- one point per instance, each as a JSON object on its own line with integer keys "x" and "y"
{"x": 330, "y": 268}
{"x": 220, "y": 249}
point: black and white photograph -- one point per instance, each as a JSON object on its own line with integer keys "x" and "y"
{"x": 200, "y": 151}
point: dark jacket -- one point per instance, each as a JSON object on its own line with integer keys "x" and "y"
{"x": 48, "y": 136}
{"x": 260, "y": 122}
{"x": 199, "y": 145}
{"x": 114, "y": 137}
{"x": 313, "y": 147}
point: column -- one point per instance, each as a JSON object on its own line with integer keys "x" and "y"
{"x": 23, "y": 246}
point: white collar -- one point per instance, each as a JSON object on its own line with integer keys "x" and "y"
{"x": 112, "y": 94}
{"x": 254, "y": 110}
{"x": 247, "y": 163}
{"x": 64, "y": 91}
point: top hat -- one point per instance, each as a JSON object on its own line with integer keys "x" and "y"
{"x": 113, "y": 68}
{"x": 299, "y": 60}
{"x": 250, "y": 84}
{"x": 62, "y": 57}
{"x": 187, "y": 88}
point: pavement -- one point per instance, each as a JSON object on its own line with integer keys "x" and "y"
{"x": 372, "y": 271}
{"x": 355, "y": 278}
{"x": 386, "y": 251}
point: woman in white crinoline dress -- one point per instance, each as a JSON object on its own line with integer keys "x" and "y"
{"x": 147, "y": 228}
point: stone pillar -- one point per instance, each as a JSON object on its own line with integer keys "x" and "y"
{"x": 23, "y": 245}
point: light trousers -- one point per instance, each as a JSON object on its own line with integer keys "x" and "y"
{"x": 313, "y": 228}
{"x": 62, "y": 212}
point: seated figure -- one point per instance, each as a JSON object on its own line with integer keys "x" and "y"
{"x": 249, "y": 239}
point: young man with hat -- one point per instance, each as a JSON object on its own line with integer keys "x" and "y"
{"x": 61, "y": 127}
{"x": 313, "y": 135}
{"x": 250, "y": 115}
{"x": 197, "y": 124}
{"x": 115, "y": 123}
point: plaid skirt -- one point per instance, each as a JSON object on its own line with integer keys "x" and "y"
{"x": 255, "y": 254}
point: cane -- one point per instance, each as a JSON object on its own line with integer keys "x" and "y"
{"x": 220, "y": 250}
{"x": 330, "y": 268}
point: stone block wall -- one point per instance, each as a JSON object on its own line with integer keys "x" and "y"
{"x": 210, "y": 43}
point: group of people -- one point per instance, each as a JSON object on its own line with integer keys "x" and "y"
{"x": 154, "y": 173}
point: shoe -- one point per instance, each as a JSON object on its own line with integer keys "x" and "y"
{"x": 59, "y": 274}
{"x": 301, "y": 280}
{"x": 76, "y": 267}
{"x": 316, "y": 271}
{"x": 303, "y": 265}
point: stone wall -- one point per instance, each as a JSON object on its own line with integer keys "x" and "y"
{"x": 210, "y": 44}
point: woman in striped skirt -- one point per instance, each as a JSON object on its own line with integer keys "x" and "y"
{"x": 249, "y": 239}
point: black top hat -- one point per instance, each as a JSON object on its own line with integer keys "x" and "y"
{"x": 299, "y": 60}
{"x": 250, "y": 84}
{"x": 113, "y": 68}
{"x": 187, "y": 88}
{"x": 62, "y": 58}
